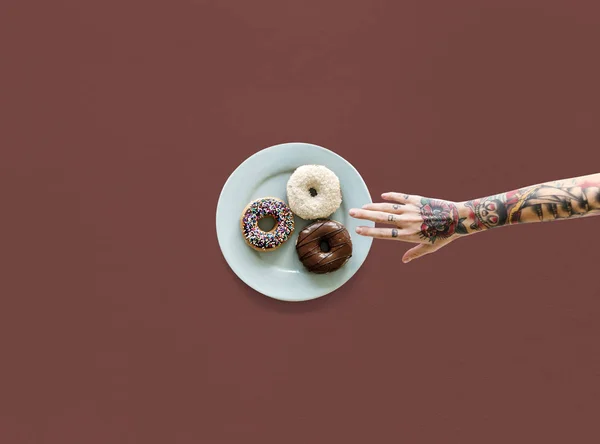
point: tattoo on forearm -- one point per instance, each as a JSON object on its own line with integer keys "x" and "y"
{"x": 541, "y": 202}
{"x": 440, "y": 220}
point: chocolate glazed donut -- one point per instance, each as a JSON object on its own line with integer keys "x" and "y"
{"x": 337, "y": 243}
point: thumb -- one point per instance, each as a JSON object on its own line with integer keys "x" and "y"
{"x": 418, "y": 251}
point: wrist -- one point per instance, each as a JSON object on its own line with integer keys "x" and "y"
{"x": 468, "y": 217}
{"x": 463, "y": 211}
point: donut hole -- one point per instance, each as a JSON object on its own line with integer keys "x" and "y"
{"x": 325, "y": 247}
{"x": 312, "y": 191}
{"x": 266, "y": 223}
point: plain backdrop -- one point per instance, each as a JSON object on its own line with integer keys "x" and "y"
{"x": 120, "y": 321}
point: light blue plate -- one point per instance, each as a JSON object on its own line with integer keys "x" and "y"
{"x": 279, "y": 274}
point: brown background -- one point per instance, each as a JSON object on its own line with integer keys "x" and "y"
{"x": 120, "y": 322}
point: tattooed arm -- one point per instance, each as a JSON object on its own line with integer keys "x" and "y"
{"x": 434, "y": 223}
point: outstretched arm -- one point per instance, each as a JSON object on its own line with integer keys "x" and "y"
{"x": 434, "y": 223}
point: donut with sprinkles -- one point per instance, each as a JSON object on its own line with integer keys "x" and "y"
{"x": 267, "y": 207}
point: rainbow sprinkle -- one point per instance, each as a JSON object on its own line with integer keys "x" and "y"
{"x": 284, "y": 223}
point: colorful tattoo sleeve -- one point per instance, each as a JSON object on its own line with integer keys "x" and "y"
{"x": 539, "y": 203}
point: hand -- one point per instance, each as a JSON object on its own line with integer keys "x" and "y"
{"x": 431, "y": 223}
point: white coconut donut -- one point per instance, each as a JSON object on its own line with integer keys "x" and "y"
{"x": 314, "y": 192}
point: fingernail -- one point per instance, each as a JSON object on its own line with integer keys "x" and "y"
{"x": 385, "y": 194}
{"x": 407, "y": 260}
{"x": 358, "y": 230}
{"x": 352, "y": 212}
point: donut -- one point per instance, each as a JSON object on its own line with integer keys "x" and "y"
{"x": 314, "y": 192}
{"x": 267, "y": 207}
{"x": 310, "y": 250}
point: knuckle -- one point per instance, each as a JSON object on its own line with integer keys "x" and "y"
{"x": 414, "y": 219}
{"x": 405, "y": 218}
